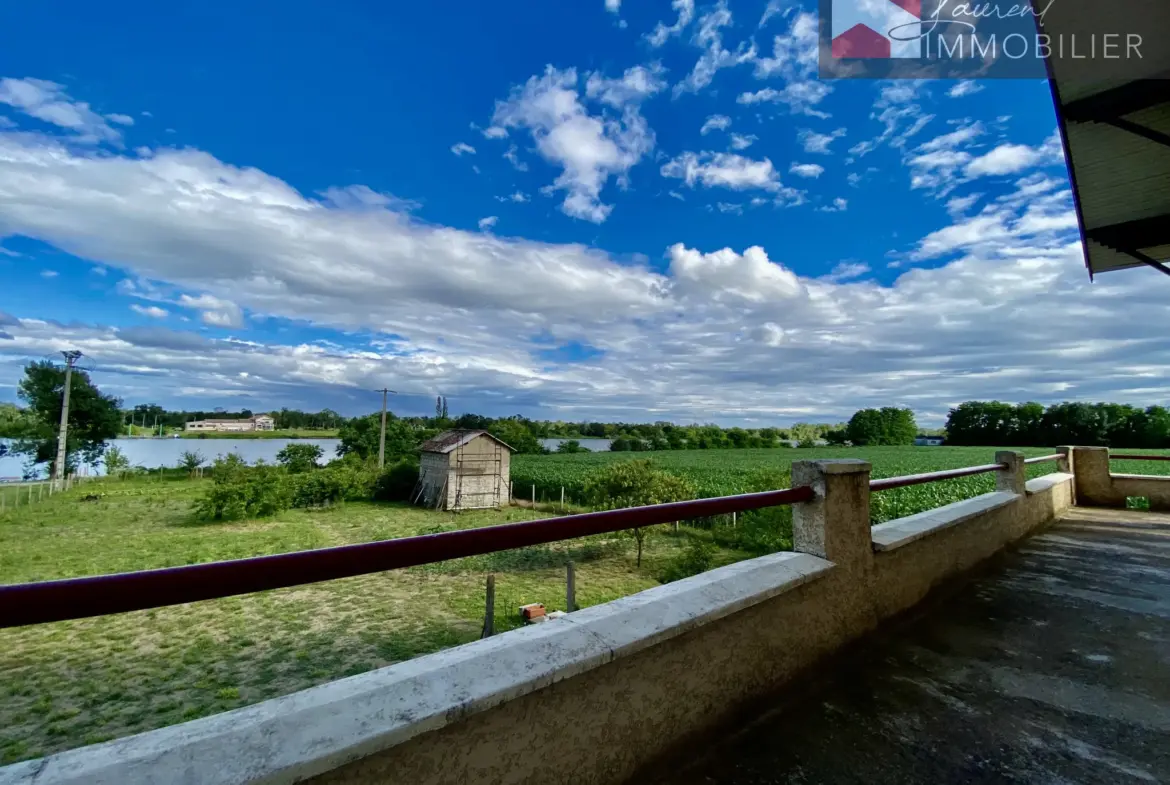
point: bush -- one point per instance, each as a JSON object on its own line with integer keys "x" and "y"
{"x": 337, "y": 482}
{"x": 696, "y": 557}
{"x": 298, "y": 458}
{"x": 190, "y": 461}
{"x": 115, "y": 462}
{"x": 397, "y": 482}
{"x": 240, "y": 491}
{"x": 570, "y": 446}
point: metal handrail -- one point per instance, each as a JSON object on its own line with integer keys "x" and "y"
{"x": 890, "y": 483}
{"x": 1043, "y": 458}
{"x": 79, "y": 598}
{"x": 1139, "y": 457}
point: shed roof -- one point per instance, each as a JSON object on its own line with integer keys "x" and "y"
{"x": 1114, "y": 117}
{"x": 447, "y": 441}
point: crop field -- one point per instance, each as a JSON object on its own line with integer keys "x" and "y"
{"x": 723, "y": 472}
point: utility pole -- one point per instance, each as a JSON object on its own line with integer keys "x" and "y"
{"x": 59, "y": 466}
{"x": 382, "y": 438}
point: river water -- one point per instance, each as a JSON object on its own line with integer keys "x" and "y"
{"x": 152, "y": 453}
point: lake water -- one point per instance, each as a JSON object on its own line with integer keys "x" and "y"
{"x": 152, "y": 453}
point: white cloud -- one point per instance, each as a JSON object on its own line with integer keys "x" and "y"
{"x": 49, "y": 273}
{"x": 794, "y": 55}
{"x": 462, "y": 147}
{"x": 676, "y": 195}
{"x": 613, "y": 6}
{"x": 964, "y": 87}
{"x": 590, "y": 149}
{"x": 773, "y": 8}
{"x": 48, "y": 102}
{"x": 488, "y": 223}
{"x": 814, "y": 142}
{"x": 846, "y": 271}
{"x": 716, "y": 122}
{"x": 635, "y": 85}
{"x": 662, "y": 32}
{"x": 494, "y": 132}
{"x": 799, "y": 97}
{"x": 806, "y": 170}
{"x": 120, "y": 119}
{"x": 518, "y": 197}
{"x": 714, "y": 58}
{"x": 1006, "y": 159}
{"x": 728, "y": 207}
{"x": 723, "y": 170}
{"x": 838, "y": 205}
{"x": 513, "y": 158}
{"x": 727, "y": 275}
{"x": 732, "y": 334}
{"x": 213, "y": 310}
{"x": 743, "y": 141}
{"x": 153, "y": 311}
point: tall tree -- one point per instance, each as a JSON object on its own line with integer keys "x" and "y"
{"x": 93, "y": 417}
{"x": 360, "y": 435}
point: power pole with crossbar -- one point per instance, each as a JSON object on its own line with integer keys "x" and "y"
{"x": 382, "y": 438}
{"x": 59, "y": 466}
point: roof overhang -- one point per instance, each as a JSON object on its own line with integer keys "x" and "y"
{"x": 1114, "y": 117}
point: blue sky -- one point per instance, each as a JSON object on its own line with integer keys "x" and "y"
{"x": 596, "y": 209}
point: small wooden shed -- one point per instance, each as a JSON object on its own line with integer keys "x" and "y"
{"x": 464, "y": 470}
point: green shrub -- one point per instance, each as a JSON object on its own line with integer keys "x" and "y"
{"x": 397, "y": 482}
{"x": 190, "y": 461}
{"x": 337, "y": 482}
{"x": 696, "y": 557}
{"x": 298, "y": 458}
{"x": 239, "y": 491}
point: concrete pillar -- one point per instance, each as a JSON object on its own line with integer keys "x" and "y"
{"x": 1093, "y": 483}
{"x": 835, "y": 524}
{"x": 1011, "y": 477}
{"x": 1065, "y": 464}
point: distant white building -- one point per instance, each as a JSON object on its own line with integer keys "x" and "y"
{"x": 261, "y": 422}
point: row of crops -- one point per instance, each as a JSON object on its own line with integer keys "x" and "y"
{"x": 724, "y": 472}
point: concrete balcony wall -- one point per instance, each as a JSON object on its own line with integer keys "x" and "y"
{"x": 600, "y": 694}
{"x": 1097, "y": 486}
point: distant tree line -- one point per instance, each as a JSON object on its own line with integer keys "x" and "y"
{"x": 993, "y": 423}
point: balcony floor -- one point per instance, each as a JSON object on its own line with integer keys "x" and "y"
{"x": 1052, "y": 667}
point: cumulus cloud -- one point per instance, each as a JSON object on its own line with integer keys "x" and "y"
{"x": 633, "y": 86}
{"x": 48, "y": 102}
{"x": 716, "y": 122}
{"x": 153, "y": 311}
{"x": 732, "y": 334}
{"x": 964, "y": 87}
{"x": 590, "y": 149}
{"x": 709, "y": 38}
{"x": 806, "y": 170}
{"x": 814, "y": 142}
{"x": 488, "y": 223}
{"x": 662, "y": 32}
{"x": 723, "y": 170}
{"x": 462, "y": 148}
{"x": 743, "y": 141}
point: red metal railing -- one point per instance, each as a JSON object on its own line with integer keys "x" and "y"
{"x": 1043, "y": 458}
{"x": 78, "y": 598}
{"x": 890, "y": 483}
{"x": 1139, "y": 457}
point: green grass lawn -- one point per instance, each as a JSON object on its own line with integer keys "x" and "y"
{"x": 72, "y": 683}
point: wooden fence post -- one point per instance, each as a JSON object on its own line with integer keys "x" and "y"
{"x": 489, "y": 613}
{"x": 40, "y": 492}
{"x": 30, "y": 494}
{"x": 534, "y": 496}
{"x": 570, "y": 588}
{"x": 563, "y": 501}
